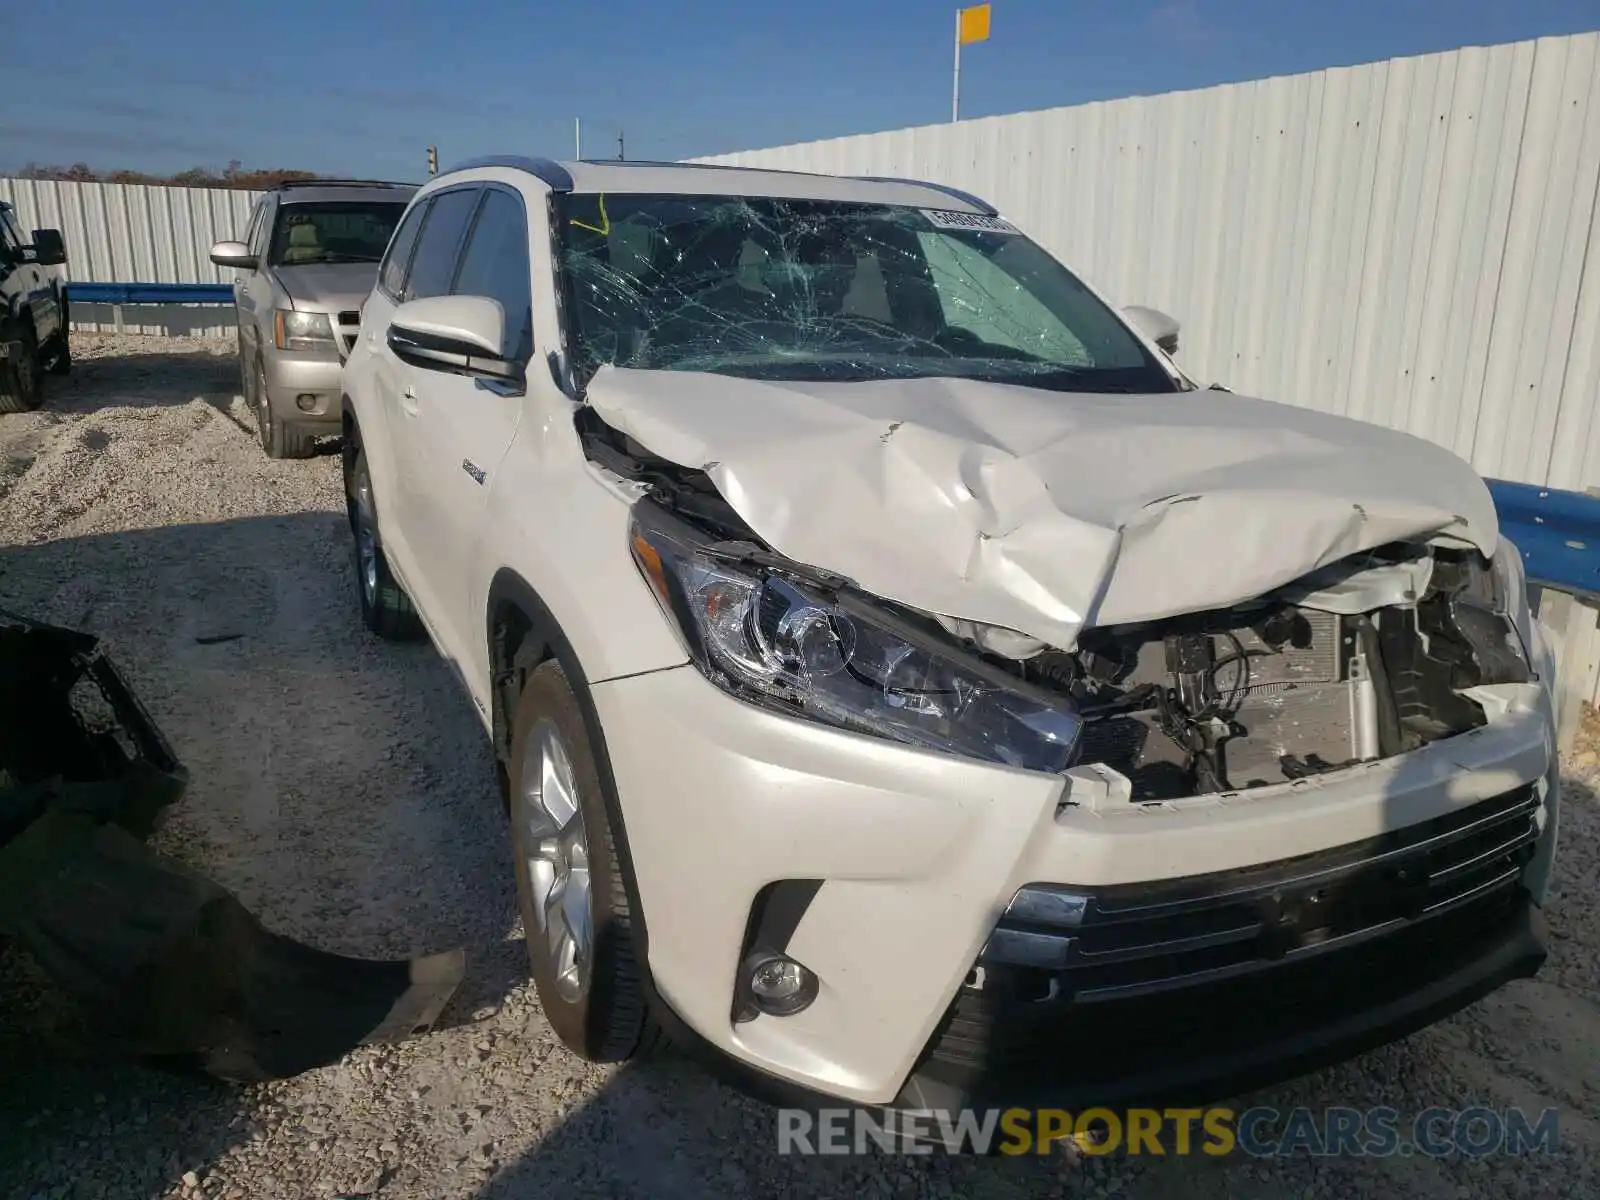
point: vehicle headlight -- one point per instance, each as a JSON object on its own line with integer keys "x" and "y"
{"x": 1491, "y": 611}
{"x": 810, "y": 649}
{"x": 302, "y": 330}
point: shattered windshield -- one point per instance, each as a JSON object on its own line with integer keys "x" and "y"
{"x": 332, "y": 232}
{"x": 833, "y": 292}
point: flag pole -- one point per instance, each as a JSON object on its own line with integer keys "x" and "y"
{"x": 955, "y": 85}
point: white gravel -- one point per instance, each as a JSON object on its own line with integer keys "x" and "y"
{"x": 342, "y": 789}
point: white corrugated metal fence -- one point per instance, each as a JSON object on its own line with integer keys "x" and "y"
{"x": 133, "y": 233}
{"x": 1413, "y": 242}
{"x": 136, "y": 233}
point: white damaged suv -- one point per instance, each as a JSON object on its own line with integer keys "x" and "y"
{"x": 907, "y": 686}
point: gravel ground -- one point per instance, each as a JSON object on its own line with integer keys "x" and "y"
{"x": 342, "y": 789}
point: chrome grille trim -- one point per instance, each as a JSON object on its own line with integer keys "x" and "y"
{"x": 1134, "y": 940}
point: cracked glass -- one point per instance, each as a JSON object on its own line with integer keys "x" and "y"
{"x": 827, "y": 291}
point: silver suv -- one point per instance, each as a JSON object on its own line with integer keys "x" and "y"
{"x": 304, "y": 269}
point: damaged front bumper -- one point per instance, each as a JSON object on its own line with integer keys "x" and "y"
{"x": 911, "y": 859}
{"x": 169, "y": 964}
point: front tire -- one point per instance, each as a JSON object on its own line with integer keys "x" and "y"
{"x": 386, "y": 610}
{"x": 20, "y": 385}
{"x": 575, "y": 912}
{"x": 278, "y": 438}
{"x": 61, "y": 357}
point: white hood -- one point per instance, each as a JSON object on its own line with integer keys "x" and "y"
{"x": 1045, "y": 512}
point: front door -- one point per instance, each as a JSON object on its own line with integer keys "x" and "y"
{"x": 27, "y": 281}
{"x": 406, "y": 510}
{"x": 461, "y": 428}
{"x": 252, "y": 293}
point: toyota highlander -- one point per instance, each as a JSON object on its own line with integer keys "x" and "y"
{"x": 906, "y": 684}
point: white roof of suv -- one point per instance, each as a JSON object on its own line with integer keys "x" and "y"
{"x": 706, "y": 179}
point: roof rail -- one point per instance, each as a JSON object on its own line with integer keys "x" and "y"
{"x": 982, "y": 206}
{"x": 286, "y": 184}
{"x": 551, "y": 173}
{"x": 696, "y": 166}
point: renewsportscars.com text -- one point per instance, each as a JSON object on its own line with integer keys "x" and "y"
{"x": 1257, "y": 1132}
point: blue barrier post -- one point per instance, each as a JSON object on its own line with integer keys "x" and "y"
{"x": 1557, "y": 531}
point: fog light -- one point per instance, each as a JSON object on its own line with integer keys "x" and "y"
{"x": 780, "y": 987}
{"x": 305, "y": 402}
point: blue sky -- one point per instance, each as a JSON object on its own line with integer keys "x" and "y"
{"x": 362, "y": 86}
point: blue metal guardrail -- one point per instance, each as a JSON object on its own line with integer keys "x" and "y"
{"x": 1557, "y": 531}
{"x": 150, "y": 293}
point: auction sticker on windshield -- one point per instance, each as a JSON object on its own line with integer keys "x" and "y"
{"x": 945, "y": 219}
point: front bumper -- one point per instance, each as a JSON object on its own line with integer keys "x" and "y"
{"x": 914, "y": 858}
{"x": 304, "y": 387}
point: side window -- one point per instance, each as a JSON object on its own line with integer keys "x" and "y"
{"x": 435, "y": 260}
{"x": 495, "y": 264}
{"x": 392, "y": 274}
{"x": 10, "y": 239}
{"x": 256, "y": 239}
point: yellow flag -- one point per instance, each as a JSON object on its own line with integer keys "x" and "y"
{"x": 972, "y": 24}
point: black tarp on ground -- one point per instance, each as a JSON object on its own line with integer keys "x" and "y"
{"x": 166, "y": 962}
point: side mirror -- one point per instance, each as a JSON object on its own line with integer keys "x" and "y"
{"x": 463, "y": 335}
{"x": 49, "y": 250}
{"x": 1155, "y": 325}
{"x": 233, "y": 255}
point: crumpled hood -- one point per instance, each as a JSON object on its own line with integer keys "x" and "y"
{"x": 328, "y": 287}
{"x": 1041, "y": 511}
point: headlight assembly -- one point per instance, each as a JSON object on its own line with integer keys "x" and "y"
{"x": 784, "y": 639}
{"x": 1488, "y": 608}
{"x": 295, "y": 330}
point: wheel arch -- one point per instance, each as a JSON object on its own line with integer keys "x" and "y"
{"x": 523, "y": 633}
{"x": 349, "y": 438}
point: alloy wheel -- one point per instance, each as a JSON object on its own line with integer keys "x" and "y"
{"x": 554, "y": 852}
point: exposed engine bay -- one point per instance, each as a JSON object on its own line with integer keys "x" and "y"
{"x": 1281, "y": 690}
{"x": 1369, "y": 657}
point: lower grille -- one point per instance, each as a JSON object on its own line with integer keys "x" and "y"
{"x": 1097, "y": 984}
{"x": 1098, "y": 945}
{"x": 996, "y": 1047}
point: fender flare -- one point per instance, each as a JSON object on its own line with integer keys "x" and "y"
{"x": 508, "y": 589}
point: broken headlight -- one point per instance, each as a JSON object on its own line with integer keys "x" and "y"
{"x": 792, "y": 641}
{"x": 1489, "y": 609}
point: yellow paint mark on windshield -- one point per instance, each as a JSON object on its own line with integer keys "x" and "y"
{"x": 604, "y": 228}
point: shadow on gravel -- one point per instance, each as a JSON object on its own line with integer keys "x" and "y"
{"x": 341, "y": 788}
{"x": 77, "y": 1121}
